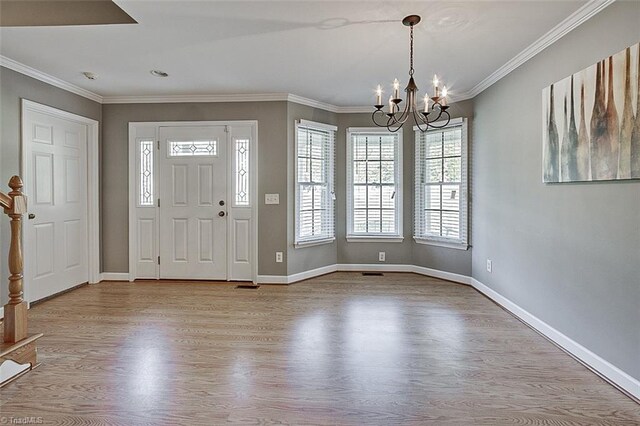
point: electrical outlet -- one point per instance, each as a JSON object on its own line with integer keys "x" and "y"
{"x": 382, "y": 256}
{"x": 279, "y": 256}
{"x": 489, "y": 265}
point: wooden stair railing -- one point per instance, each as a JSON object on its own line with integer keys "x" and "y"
{"x": 18, "y": 352}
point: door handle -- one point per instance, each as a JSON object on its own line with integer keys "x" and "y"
{"x": 31, "y": 216}
{"x": 221, "y": 213}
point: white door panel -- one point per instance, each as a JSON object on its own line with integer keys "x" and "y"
{"x": 192, "y": 183}
{"x": 242, "y": 232}
{"x": 56, "y": 187}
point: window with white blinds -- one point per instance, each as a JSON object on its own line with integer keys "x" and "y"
{"x": 374, "y": 184}
{"x": 441, "y": 185}
{"x": 314, "y": 203}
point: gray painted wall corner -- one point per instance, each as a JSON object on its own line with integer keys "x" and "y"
{"x": 567, "y": 253}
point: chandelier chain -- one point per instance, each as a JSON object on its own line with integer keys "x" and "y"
{"x": 411, "y": 54}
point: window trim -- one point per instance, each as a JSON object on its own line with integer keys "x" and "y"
{"x": 351, "y": 236}
{"x": 461, "y": 243}
{"x": 320, "y": 240}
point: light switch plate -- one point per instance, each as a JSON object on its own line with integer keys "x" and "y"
{"x": 272, "y": 198}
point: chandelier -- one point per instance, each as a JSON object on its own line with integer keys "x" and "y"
{"x": 435, "y": 108}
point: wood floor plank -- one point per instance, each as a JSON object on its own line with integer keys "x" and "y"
{"x": 339, "y": 349}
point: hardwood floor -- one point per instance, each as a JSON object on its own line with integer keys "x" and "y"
{"x": 339, "y": 349}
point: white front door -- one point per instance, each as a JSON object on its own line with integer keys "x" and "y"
{"x": 56, "y": 186}
{"x": 193, "y": 202}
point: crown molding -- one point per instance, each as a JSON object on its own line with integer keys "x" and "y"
{"x": 355, "y": 109}
{"x": 312, "y": 103}
{"x": 256, "y": 97}
{"x": 586, "y": 12}
{"x": 153, "y": 99}
{"x": 47, "y": 78}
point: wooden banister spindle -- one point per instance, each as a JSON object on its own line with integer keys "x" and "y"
{"x": 15, "y": 312}
{"x": 16, "y": 263}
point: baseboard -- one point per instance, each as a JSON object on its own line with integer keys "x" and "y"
{"x": 421, "y": 270}
{"x": 272, "y": 279}
{"x": 290, "y": 279}
{"x": 603, "y": 368}
{"x": 365, "y": 267}
{"x": 114, "y": 276}
{"x": 312, "y": 273}
{"x": 374, "y": 267}
{"x": 444, "y": 275}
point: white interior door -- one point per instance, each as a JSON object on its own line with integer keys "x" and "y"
{"x": 56, "y": 236}
{"x": 193, "y": 202}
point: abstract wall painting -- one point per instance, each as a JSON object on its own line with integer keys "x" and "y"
{"x": 591, "y": 122}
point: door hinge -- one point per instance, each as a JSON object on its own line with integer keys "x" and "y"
{"x": 158, "y": 144}
{"x": 226, "y": 129}
{"x": 158, "y": 202}
{"x": 158, "y": 260}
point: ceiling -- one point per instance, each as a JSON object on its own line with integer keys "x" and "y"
{"x": 33, "y": 13}
{"x": 334, "y": 52}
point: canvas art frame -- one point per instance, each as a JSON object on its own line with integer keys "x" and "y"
{"x": 591, "y": 122}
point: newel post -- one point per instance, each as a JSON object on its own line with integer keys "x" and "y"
{"x": 15, "y": 312}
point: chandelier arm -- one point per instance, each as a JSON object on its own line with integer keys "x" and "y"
{"x": 403, "y": 117}
{"x": 373, "y": 118}
{"x": 446, "y": 122}
{"x": 390, "y": 126}
{"x": 418, "y": 120}
{"x": 391, "y": 123}
{"x": 423, "y": 118}
{"x": 437, "y": 117}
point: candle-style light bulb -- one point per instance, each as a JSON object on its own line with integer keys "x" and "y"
{"x": 379, "y": 95}
{"x": 436, "y": 89}
{"x": 396, "y": 89}
{"x": 443, "y": 101}
{"x": 426, "y": 103}
{"x": 390, "y": 104}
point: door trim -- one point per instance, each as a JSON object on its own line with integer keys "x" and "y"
{"x": 93, "y": 181}
{"x": 253, "y": 150}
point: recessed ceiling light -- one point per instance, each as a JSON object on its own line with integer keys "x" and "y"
{"x": 159, "y": 73}
{"x": 90, "y": 75}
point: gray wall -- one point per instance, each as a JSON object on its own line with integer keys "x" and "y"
{"x": 406, "y": 252}
{"x": 567, "y": 253}
{"x": 14, "y": 87}
{"x": 306, "y": 258}
{"x": 272, "y": 160}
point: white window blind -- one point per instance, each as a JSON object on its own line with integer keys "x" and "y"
{"x": 374, "y": 184}
{"x": 314, "y": 204}
{"x": 441, "y": 185}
